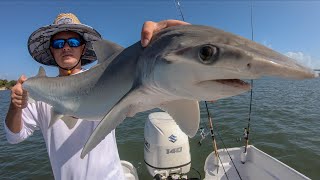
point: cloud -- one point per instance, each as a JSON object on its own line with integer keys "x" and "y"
{"x": 304, "y": 59}
{"x": 299, "y": 56}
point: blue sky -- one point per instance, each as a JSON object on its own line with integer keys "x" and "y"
{"x": 289, "y": 27}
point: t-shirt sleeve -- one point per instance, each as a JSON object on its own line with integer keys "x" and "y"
{"x": 30, "y": 123}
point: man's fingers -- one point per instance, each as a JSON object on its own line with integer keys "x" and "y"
{"x": 147, "y": 32}
{"x": 24, "y": 104}
{"x": 17, "y": 97}
{"x": 19, "y": 101}
{"x": 24, "y": 93}
{"x": 20, "y": 96}
{"x": 150, "y": 28}
{"x": 17, "y": 90}
{"x": 168, "y": 23}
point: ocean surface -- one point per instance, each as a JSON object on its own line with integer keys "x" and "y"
{"x": 285, "y": 123}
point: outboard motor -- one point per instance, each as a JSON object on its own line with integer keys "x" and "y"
{"x": 166, "y": 147}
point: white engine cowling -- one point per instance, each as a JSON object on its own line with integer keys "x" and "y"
{"x": 166, "y": 147}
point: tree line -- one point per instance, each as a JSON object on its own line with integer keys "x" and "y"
{"x": 7, "y": 84}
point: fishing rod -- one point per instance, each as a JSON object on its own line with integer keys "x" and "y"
{"x": 224, "y": 146}
{"x": 247, "y": 130}
{"x": 212, "y": 135}
{"x": 177, "y": 4}
{"x": 215, "y": 147}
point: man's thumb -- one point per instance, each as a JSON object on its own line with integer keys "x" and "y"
{"x": 22, "y": 79}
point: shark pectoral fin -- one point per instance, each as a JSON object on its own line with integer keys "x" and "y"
{"x": 105, "y": 49}
{"x": 110, "y": 121}
{"x": 186, "y": 113}
{"x": 54, "y": 117}
{"x": 70, "y": 121}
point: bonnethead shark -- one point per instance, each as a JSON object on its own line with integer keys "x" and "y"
{"x": 181, "y": 66}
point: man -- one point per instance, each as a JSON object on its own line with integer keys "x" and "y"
{"x": 66, "y": 44}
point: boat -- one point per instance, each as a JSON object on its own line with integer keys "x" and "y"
{"x": 167, "y": 156}
{"x": 255, "y": 164}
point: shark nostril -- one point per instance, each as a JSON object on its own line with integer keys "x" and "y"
{"x": 249, "y": 65}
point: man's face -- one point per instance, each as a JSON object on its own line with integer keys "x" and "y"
{"x": 67, "y": 57}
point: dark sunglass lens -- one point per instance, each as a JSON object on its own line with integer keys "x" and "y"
{"x": 58, "y": 43}
{"x": 74, "y": 42}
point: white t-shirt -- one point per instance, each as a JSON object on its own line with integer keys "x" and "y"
{"x": 64, "y": 146}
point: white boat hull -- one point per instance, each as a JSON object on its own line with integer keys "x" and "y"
{"x": 258, "y": 165}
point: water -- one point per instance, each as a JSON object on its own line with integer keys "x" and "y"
{"x": 284, "y": 123}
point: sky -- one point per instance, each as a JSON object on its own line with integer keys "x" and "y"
{"x": 289, "y": 27}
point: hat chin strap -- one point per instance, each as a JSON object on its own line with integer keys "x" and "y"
{"x": 69, "y": 69}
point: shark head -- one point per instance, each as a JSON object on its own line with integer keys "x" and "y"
{"x": 205, "y": 63}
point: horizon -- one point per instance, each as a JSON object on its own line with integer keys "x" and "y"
{"x": 288, "y": 27}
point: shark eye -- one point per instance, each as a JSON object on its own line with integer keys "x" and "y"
{"x": 207, "y": 52}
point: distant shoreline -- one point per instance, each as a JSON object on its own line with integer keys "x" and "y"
{"x": 3, "y": 88}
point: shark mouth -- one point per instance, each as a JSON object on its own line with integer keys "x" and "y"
{"x": 233, "y": 82}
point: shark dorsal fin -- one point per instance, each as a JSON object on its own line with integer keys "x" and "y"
{"x": 105, "y": 49}
{"x": 41, "y": 72}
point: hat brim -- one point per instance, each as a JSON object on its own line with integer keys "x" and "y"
{"x": 39, "y": 42}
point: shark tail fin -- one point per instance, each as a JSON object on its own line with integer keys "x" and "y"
{"x": 105, "y": 49}
{"x": 41, "y": 72}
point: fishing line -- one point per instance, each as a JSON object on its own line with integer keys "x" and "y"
{"x": 229, "y": 154}
{"x": 197, "y": 172}
{"x": 177, "y": 4}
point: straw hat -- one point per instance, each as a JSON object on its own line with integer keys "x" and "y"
{"x": 39, "y": 40}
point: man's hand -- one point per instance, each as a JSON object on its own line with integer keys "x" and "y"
{"x": 150, "y": 27}
{"x": 19, "y": 97}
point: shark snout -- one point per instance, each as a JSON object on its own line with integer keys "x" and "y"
{"x": 266, "y": 62}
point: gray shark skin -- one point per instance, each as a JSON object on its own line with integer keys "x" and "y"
{"x": 181, "y": 66}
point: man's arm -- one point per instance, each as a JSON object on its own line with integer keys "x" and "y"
{"x": 150, "y": 27}
{"x": 19, "y": 100}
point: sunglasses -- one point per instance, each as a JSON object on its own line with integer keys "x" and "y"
{"x": 72, "y": 42}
